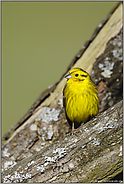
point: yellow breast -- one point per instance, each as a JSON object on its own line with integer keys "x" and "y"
{"x": 81, "y": 102}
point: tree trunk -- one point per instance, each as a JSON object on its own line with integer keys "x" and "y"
{"x": 92, "y": 154}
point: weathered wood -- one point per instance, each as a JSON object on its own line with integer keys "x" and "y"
{"x": 92, "y": 154}
{"x": 108, "y": 73}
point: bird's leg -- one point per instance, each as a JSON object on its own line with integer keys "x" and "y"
{"x": 73, "y": 126}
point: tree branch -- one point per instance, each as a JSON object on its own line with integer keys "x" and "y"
{"x": 93, "y": 154}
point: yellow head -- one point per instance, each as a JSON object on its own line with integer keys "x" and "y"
{"x": 77, "y": 75}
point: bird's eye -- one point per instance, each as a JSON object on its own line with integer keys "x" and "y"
{"x": 76, "y": 75}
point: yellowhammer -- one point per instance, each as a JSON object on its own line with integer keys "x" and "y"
{"x": 80, "y": 97}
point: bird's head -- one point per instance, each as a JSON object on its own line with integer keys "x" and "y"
{"x": 77, "y": 74}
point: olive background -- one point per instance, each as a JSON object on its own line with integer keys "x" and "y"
{"x": 39, "y": 40}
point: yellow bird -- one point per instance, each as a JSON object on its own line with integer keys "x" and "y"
{"x": 80, "y": 97}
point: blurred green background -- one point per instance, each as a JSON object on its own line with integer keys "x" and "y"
{"x": 39, "y": 40}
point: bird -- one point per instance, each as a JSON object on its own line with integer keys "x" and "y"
{"x": 80, "y": 98}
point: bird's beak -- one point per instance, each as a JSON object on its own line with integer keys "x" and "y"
{"x": 68, "y": 76}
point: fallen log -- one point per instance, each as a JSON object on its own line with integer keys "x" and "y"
{"x": 92, "y": 154}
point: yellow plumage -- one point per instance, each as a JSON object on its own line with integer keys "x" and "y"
{"x": 80, "y": 97}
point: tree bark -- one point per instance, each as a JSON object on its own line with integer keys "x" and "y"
{"x": 92, "y": 154}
